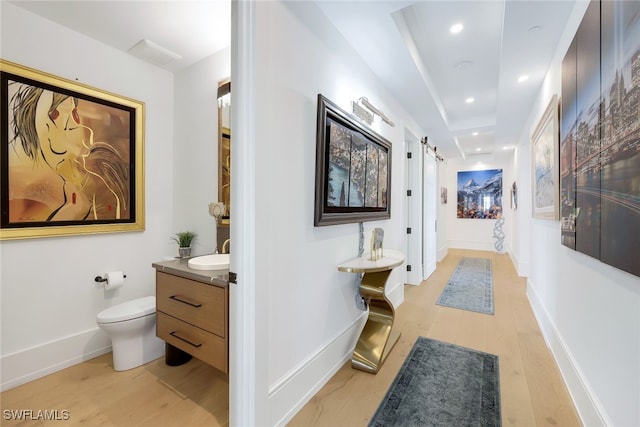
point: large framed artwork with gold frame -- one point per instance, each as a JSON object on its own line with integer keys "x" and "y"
{"x": 72, "y": 157}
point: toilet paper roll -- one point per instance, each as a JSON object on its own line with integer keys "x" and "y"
{"x": 115, "y": 279}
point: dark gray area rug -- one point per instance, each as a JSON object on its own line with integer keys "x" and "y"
{"x": 442, "y": 384}
{"x": 470, "y": 286}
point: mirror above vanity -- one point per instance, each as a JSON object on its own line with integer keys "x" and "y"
{"x": 224, "y": 145}
{"x": 224, "y": 161}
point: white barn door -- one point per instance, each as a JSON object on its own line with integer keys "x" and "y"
{"x": 429, "y": 212}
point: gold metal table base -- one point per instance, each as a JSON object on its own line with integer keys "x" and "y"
{"x": 377, "y": 337}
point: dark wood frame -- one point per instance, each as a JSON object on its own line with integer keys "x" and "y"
{"x": 325, "y": 214}
{"x": 129, "y": 163}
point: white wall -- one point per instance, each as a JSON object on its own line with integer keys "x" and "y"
{"x": 589, "y": 312}
{"x": 311, "y": 320}
{"x": 442, "y": 239}
{"x": 477, "y": 234}
{"x": 49, "y": 299}
{"x": 521, "y": 224}
{"x": 196, "y": 147}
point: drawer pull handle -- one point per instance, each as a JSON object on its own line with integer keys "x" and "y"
{"x": 177, "y": 298}
{"x": 173, "y": 334}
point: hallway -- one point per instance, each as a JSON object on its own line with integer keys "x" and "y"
{"x": 532, "y": 391}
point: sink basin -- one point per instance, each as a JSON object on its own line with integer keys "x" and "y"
{"x": 209, "y": 262}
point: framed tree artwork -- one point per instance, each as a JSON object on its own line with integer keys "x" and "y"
{"x": 353, "y": 169}
{"x": 544, "y": 154}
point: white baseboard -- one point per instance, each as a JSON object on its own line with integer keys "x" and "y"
{"x": 522, "y": 268}
{"x": 395, "y": 294}
{"x": 442, "y": 253}
{"x": 289, "y": 394}
{"x": 589, "y": 409}
{"x": 27, "y": 365}
{"x": 472, "y": 245}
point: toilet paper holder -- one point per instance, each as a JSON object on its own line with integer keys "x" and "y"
{"x": 101, "y": 279}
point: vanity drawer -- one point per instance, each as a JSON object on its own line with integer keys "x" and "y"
{"x": 193, "y": 302}
{"x": 204, "y": 345}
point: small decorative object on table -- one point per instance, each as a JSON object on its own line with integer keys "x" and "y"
{"x": 377, "y": 236}
{"x": 184, "y": 240}
{"x": 217, "y": 210}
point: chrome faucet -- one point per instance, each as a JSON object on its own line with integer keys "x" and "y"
{"x": 225, "y": 246}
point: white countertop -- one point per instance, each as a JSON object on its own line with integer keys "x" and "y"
{"x": 363, "y": 264}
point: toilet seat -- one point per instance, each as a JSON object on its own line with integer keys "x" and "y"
{"x": 128, "y": 310}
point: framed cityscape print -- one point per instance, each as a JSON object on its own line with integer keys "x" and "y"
{"x": 619, "y": 169}
{"x": 600, "y": 127}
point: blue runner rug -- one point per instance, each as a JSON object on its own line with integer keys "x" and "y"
{"x": 470, "y": 287}
{"x": 442, "y": 384}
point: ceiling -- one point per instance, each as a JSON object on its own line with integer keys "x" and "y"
{"x": 407, "y": 44}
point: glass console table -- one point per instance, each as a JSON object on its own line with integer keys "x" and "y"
{"x": 377, "y": 338}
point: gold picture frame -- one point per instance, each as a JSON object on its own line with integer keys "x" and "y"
{"x": 545, "y": 152}
{"x": 72, "y": 157}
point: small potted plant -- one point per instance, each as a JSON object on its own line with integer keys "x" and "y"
{"x": 184, "y": 240}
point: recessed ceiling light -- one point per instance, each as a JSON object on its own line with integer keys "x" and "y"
{"x": 478, "y": 149}
{"x": 475, "y": 134}
{"x": 469, "y": 100}
{"x": 456, "y": 28}
{"x": 523, "y": 78}
{"x": 463, "y": 65}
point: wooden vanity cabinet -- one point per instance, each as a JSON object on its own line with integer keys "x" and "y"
{"x": 193, "y": 316}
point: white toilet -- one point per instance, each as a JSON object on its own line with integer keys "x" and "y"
{"x": 132, "y": 328}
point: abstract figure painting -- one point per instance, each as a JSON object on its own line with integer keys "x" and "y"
{"x": 480, "y": 194}
{"x": 72, "y": 157}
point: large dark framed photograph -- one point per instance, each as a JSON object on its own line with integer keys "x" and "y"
{"x": 353, "y": 169}
{"x": 72, "y": 159}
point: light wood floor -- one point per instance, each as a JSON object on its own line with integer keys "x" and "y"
{"x": 194, "y": 395}
{"x": 153, "y": 395}
{"x": 532, "y": 391}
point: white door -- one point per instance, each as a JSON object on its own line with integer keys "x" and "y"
{"x": 429, "y": 212}
{"x": 413, "y": 197}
